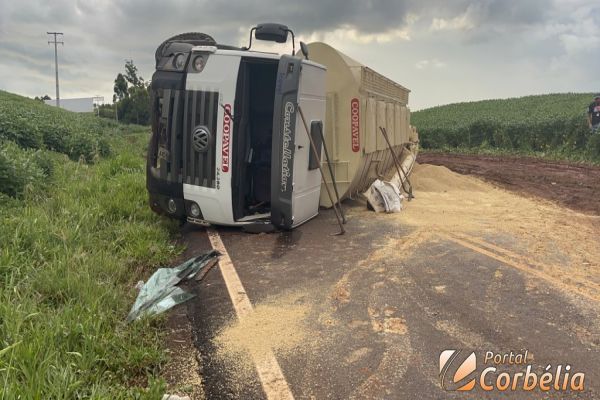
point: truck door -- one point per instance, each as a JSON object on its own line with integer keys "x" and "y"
{"x": 295, "y": 178}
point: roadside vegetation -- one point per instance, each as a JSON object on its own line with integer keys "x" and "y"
{"x": 550, "y": 126}
{"x": 131, "y": 98}
{"x": 76, "y": 234}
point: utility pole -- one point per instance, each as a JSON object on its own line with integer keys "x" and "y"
{"x": 115, "y": 104}
{"x": 55, "y": 42}
{"x": 97, "y": 100}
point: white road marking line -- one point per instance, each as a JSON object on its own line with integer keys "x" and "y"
{"x": 269, "y": 372}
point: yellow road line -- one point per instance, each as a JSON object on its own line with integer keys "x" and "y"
{"x": 269, "y": 372}
{"x": 498, "y": 249}
{"x": 514, "y": 263}
{"x": 592, "y": 287}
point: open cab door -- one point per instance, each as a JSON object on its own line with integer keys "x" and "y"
{"x": 295, "y": 177}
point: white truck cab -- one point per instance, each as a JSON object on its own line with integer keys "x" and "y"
{"x": 228, "y": 146}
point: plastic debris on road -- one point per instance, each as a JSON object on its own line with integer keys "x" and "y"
{"x": 160, "y": 292}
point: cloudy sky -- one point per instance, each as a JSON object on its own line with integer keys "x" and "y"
{"x": 444, "y": 51}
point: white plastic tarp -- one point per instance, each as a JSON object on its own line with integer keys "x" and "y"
{"x": 384, "y": 197}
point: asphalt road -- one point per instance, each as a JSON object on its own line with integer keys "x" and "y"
{"x": 380, "y": 312}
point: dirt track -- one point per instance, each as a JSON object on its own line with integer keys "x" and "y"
{"x": 574, "y": 186}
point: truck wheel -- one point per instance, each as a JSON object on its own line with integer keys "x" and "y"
{"x": 195, "y": 38}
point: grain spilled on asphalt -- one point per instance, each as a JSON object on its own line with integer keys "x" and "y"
{"x": 277, "y": 324}
{"x": 562, "y": 240}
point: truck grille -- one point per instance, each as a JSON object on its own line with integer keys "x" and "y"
{"x": 201, "y": 111}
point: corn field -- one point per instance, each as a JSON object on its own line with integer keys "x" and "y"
{"x": 551, "y": 124}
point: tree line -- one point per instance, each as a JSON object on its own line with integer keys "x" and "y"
{"x": 131, "y": 98}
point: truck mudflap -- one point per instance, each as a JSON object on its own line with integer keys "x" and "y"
{"x": 284, "y": 135}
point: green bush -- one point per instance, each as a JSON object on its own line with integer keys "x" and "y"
{"x": 57, "y": 139}
{"x": 45, "y": 161}
{"x": 18, "y": 129}
{"x": 104, "y": 147}
{"x": 593, "y": 146}
{"x": 83, "y": 146}
{"x": 20, "y": 169}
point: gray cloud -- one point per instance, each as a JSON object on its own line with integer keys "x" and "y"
{"x": 485, "y": 37}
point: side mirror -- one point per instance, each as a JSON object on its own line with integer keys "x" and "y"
{"x": 304, "y": 49}
{"x": 272, "y": 32}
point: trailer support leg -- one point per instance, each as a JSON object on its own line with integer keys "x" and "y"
{"x": 333, "y": 181}
{"x": 398, "y": 166}
{"x": 316, "y": 154}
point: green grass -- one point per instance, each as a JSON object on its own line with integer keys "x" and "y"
{"x": 72, "y": 246}
{"x": 553, "y": 126}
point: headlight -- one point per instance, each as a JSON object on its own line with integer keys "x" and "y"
{"x": 198, "y": 63}
{"x": 179, "y": 61}
{"x": 171, "y": 206}
{"x": 194, "y": 210}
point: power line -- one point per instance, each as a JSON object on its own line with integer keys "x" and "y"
{"x": 55, "y": 42}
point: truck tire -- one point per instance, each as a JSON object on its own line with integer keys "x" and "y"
{"x": 194, "y": 38}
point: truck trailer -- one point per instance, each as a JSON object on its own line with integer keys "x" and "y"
{"x": 359, "y": 103}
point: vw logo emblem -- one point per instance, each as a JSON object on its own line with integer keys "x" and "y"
{"x": 201, "y": 139}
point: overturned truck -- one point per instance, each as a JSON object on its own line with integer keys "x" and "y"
{"x": 232, "y": 129}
